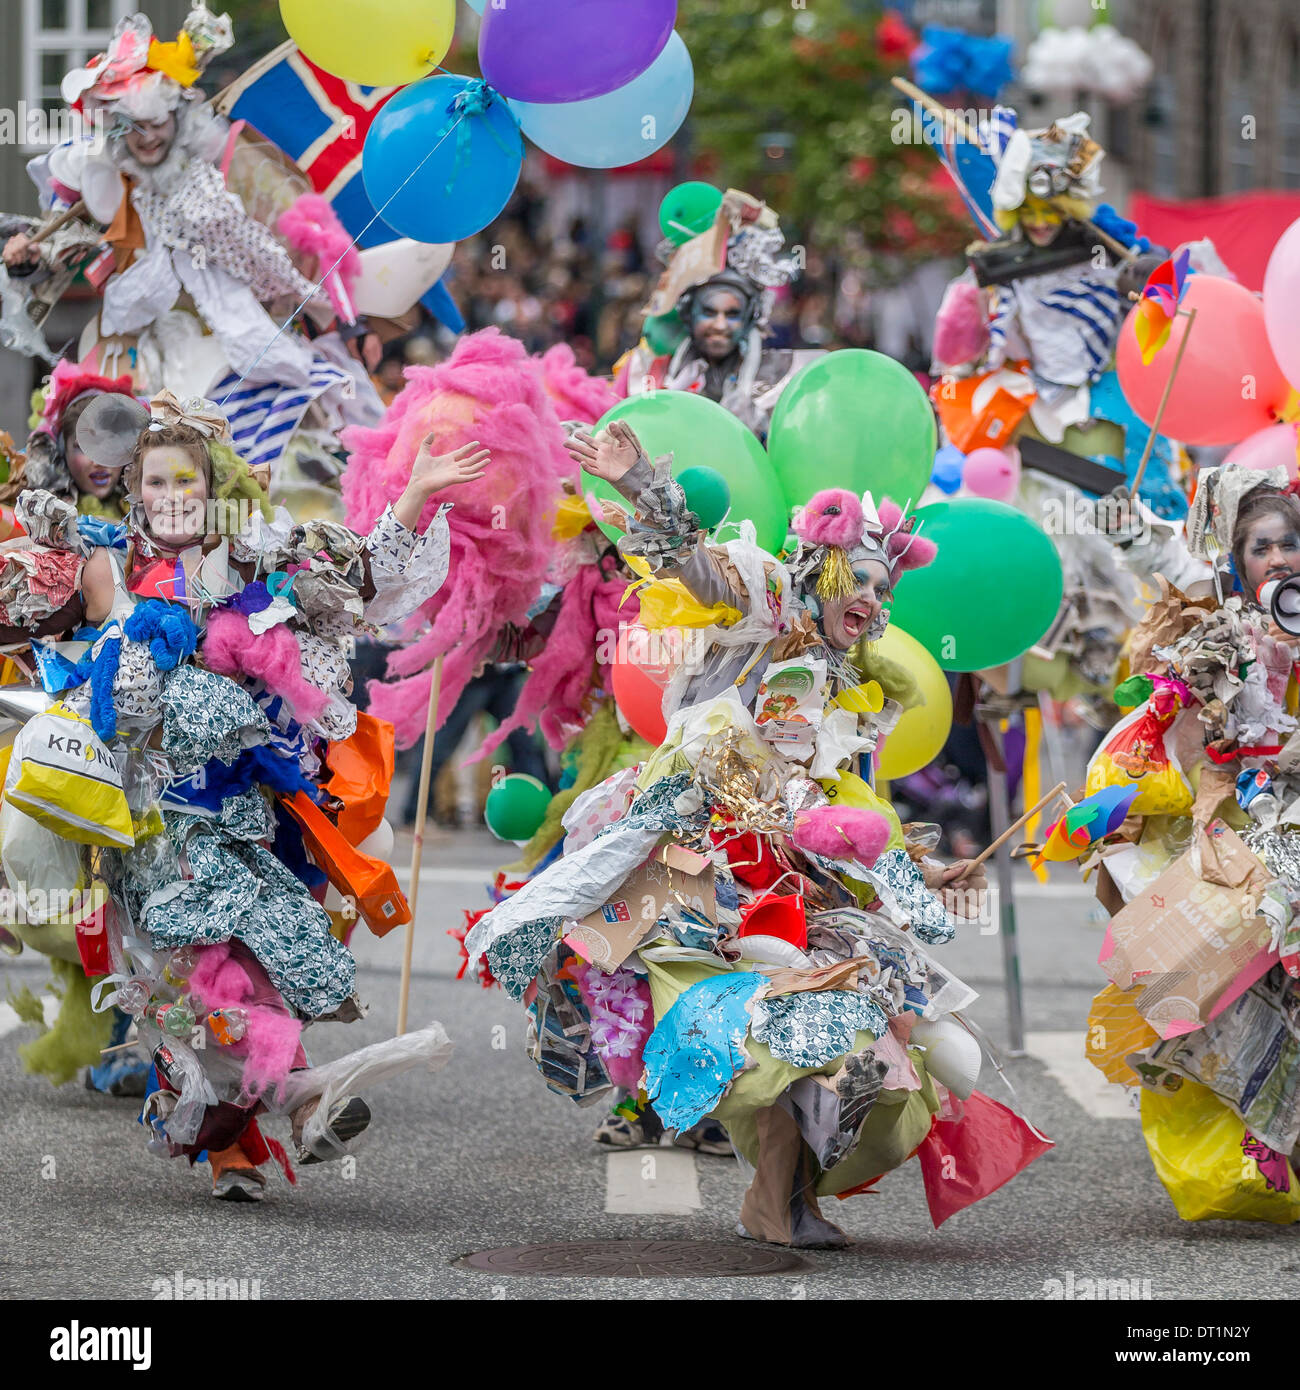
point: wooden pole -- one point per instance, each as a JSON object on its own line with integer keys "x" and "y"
{"x": 1056, "y": 791}
{"x": 76, "y": 210}
{"x": 417, "y": 844}
{"x": 1190, "y": 315}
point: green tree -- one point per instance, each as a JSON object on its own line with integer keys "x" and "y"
{"x": 810, "y": 72}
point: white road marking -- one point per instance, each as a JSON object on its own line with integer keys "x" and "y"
{"x": 1066, "y": 1063}
{"x": 9, "y": 1020}
{"x": 651, "y": 1182}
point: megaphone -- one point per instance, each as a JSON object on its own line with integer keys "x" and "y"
{"x": 1281, "y": 598}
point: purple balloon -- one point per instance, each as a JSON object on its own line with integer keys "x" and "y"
{"x": 570, "y": 50}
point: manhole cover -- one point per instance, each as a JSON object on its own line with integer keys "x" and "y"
{"x": 636, "y": 1259}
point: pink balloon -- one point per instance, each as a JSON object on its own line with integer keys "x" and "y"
{"x": 1267, "y": 448}
{"x": 1281, "y": 295}
{"x": 1229, "y": 385}
{"x": 992, "y": 473}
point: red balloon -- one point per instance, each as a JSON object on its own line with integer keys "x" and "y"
{"x": 1229, "y": 384}
{"x": 640, "y": 701}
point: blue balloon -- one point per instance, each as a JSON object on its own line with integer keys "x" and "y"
{"x": 948, "y": 465}
{"x": 442, "y": 158}
{"x": 622, "y": 126}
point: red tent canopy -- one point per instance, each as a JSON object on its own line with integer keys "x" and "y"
{"x": 1245, "y": 227}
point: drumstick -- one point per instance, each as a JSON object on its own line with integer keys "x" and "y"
{"x": 1056, "y": 791}
{"x": 76, "y": 210}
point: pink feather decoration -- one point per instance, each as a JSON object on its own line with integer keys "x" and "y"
{"x": 501, "y": 543}
{"x": 564, "y": 673}
{"x": 842, "y": 832}
{"x": 906, "y": 551}
{"x": 831, "y": 517}
{"x": 231, "y": 649}
{"x": 228, "y": 976}
{"x": 961, "y": 329}
{"x": 311, "y": 226}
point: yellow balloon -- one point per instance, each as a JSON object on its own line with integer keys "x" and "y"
{"x": 377, "y": 43}
{"x": 923, "y": 730}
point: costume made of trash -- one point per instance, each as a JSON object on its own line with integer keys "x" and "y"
{"x": 202, "y": 239}
{"x": 739, "y": 255}
{"x": 164, "y": 820}
{"x": 1191, "y": 826}
{"x": 736, "y": 926}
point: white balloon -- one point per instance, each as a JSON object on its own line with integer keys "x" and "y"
{"x": 379, "y": 843}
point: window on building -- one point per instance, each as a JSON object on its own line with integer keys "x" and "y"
{"x": 1241, "y": 115}
{"x": 1162, "y": 117}
{"x": 1287, "y": 160}
{"x": 59, "y": 35}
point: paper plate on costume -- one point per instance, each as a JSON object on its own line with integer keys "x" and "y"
{"x": 1202, "y": 1012}
{"x": 707, "y": 318}
{"x": 202, "y": 238}
{"x": 725, "y": 933}
{"x": 206, "y": 688}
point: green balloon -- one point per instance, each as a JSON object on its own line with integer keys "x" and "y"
{"x": 699, "y": 433}
{"x": 516, "y": 806}
{"x": 857, "y": 420}
{"x": 688, "y": 210}
{"x": 993, "y": 590}
{"x": 707, "y": 494}
{"x": 664, "y": 332}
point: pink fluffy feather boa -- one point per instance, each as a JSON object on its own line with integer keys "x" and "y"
{"x": 501, "y": 543}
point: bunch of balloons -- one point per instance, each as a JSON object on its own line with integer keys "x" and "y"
{"x": 443, "y": 156}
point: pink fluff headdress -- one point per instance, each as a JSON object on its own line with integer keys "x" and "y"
{"x": 837, "y": 529}
{"x": 501, "y": 543}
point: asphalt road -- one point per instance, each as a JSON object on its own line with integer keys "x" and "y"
{"x": 481, "y": 1156}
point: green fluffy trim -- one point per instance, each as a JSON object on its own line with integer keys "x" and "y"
{"x": 78, "y": 1035}
{"x": 231, "y": 478}
{"x": 896, "y": 680}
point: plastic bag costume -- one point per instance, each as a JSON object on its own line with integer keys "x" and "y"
{"x": 154, "y": 811}
{"x": 737, "y": 926}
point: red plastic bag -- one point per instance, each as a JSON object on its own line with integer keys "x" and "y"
{"x": 92, "y": 942}
{"x": 965, "y": 1159}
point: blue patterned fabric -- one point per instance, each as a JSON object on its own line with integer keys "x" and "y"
{"x": 814, "y": 1028}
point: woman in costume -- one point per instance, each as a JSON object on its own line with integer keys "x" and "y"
{"x": 213, "y": 682}
{"x": 739, "y": 926}
{"x": 1192, "y": 825}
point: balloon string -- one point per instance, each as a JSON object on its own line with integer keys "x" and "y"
{"x": 316, "y": 288}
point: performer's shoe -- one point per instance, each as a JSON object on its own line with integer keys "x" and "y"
{"x": 347, "y": 1119}
{"x": 618, "y": 1130}
{"x": 234, "y": 1178}
{"x": 125, "y": 1083}
{"x": 707, "y": 1137}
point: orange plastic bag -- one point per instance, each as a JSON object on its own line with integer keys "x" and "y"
{"x": 370, "y": 883}
{"x": 1115, "y": 1031}
{"x": 988, "y": 424}
{"x": 361, "y": 773}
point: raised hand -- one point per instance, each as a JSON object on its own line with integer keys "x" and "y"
{"x": 433, "y": 472}
{"x": 608, "y": 457}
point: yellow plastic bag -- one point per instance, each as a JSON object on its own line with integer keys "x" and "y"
{"x": 64, "y": 777}
{"x": 1115, "y": 1031}
{"x": 669, "y": 603}
{"x": 1136, "y": 751}
{"x": 1211, "y": 1165}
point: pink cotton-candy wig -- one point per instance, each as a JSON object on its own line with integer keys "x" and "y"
{"x": 501, "y": 544}
{"x": 231, "y": 649}
{"x": 311, "y": 226}
{"x": 842, "y": 832}
{"x": 565, "y": 673}
{"x": 577, "y": 395}
{"x": 228, "y": 977}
